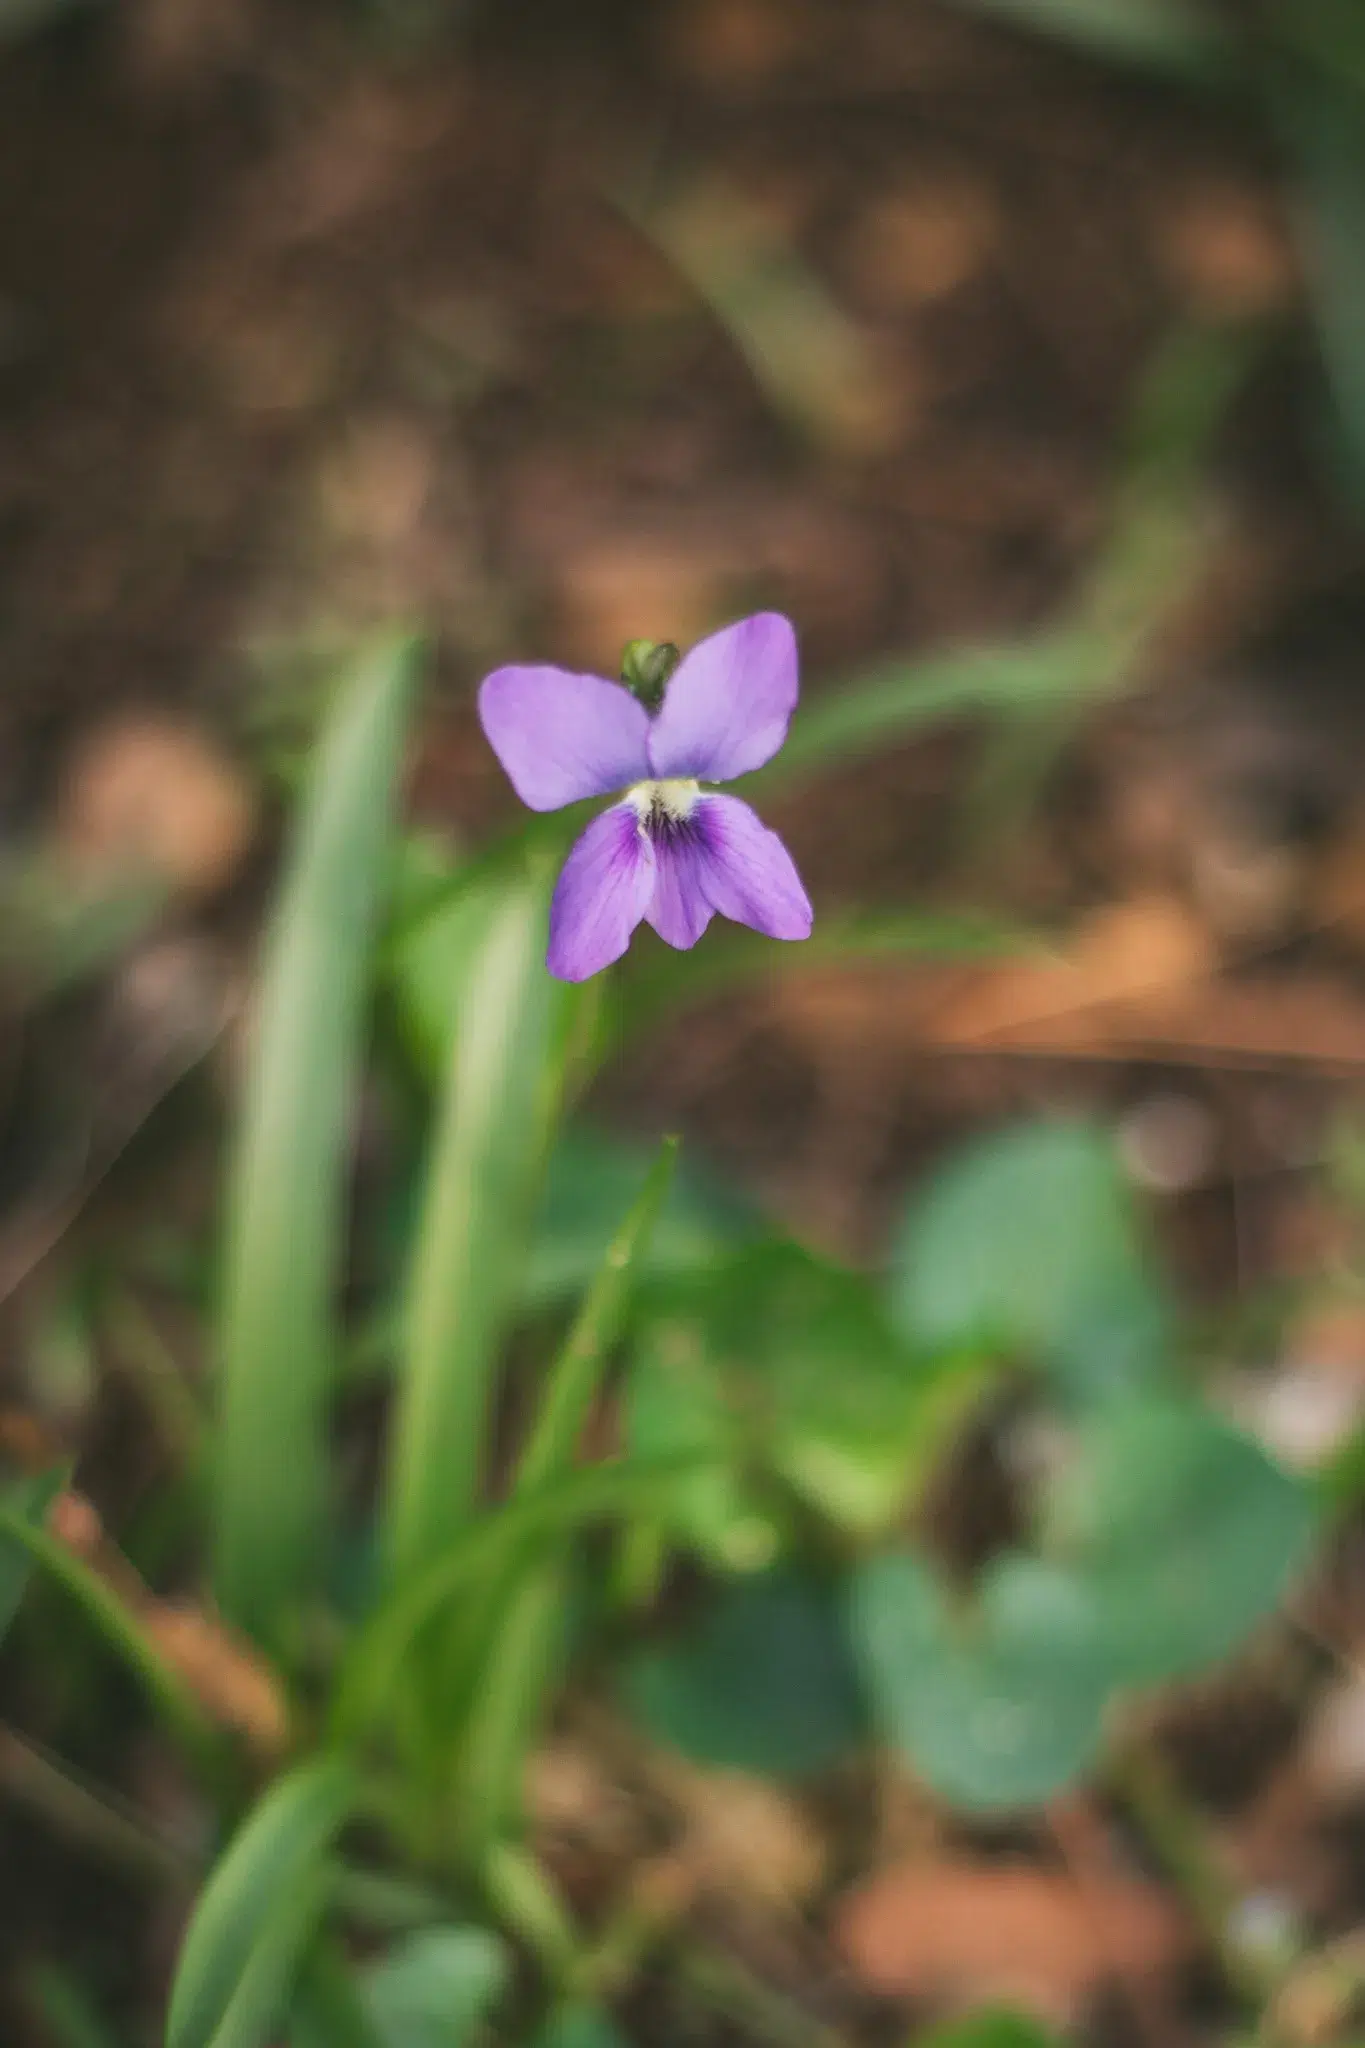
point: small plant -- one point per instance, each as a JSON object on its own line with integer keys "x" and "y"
{"x": 777, "y": 1419}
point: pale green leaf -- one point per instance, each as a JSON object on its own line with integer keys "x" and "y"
{"x": 278, "y": 1337}
{"x": 257, "y": 1911}
{"x": 997, "y": 1705}
{"x": 489, "y": 1144}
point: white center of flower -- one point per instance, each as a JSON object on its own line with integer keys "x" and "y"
{"x": 663, "y": 804}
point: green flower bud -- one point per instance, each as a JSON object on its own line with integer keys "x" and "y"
{"x": 646, "y": 666}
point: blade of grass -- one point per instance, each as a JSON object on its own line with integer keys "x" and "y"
{"x": 1323, "y": 133}
{"x": 525, "y": 1633}
{"x": 257, "y": 1911}
{"x": 372, "y": 1666}
{"x": 30, "y": 1497}
{"x": 660, "y": 984}
{"x": 901, "y": 697}
{"x": 499, "y": 1095}
{"x": 815, "y": 367}
{"x": 1167, "y": 35}
{"x": 69, "y": 2018}
{"x": 118, "y": 1626}
{"x": 277, "y": 1337}
{"x": 577, "y": 1372}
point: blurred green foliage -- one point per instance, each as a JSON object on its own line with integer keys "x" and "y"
{"x": 1297, "y": 68}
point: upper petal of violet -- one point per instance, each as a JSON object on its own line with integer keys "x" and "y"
{"x": 601, "y": 895}
{"x": 728, "y": 703}
{"x": 749, "y": 875}
{"x": 562, "y": 736}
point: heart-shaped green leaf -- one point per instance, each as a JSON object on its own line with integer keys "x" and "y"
{"x": 1184, "y": 1531}
{"x": 763, "y": 1681}
{"x": 1026, "y": 1242}
{"x": 998, "y": 1706}
{"x": 432, "y": 1990}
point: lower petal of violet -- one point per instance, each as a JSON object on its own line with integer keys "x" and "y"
{"x": 748, "y": 874}
{"x": 602, "y": 893}
{"x": 680, "y": 908}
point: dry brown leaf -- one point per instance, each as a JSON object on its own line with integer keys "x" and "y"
{"x": 1321, "y": 2002}
{"x": 1226, "y": 249}
{"x": 920, "y": 242}
{"x": 1251, "y": 1021}
{"x": 146, "y": 795}
{"x": 229, "y": 1678}
{"x": 735, "y": 43}
{"x": 1142, "y": 947}
{"x": 225, "y": 1674}
{"x": 946, "y": 1930}
{"x": 1338, "y": 899}
{"x": 748, "y": 1838}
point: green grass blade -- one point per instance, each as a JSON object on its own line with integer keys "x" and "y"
{"x": 659, "y": 986}
{"x": 525, "y": 1633}
{"x": 577, "y": 1372}
{"x": 1165, "y": 35}
{"x": 286, "y": 1200}
{"x": 118, "y": 1626}
{"x": 257, "y": 1911}
{"x": 69, "y": 2019}
{"x": 1323, "y": 130}
{"x": 525, "y": 1654}
{"x": 902, "y": 697}
{"x": 30, "y": 1497}
{"x": 376, "y": 1658}
{"x": 489, "y": 1144}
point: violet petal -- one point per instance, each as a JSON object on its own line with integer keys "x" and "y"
{"x": 749, "y": 874}
{"x": 562, "y": 736}
{"x": 680, "y": 908}
{"x": 729, "y": 701}
{"x": 601, "y": 895}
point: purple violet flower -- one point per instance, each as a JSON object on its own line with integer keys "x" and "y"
{"x": 668, "y": 852}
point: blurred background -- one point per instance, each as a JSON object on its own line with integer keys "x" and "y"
{"x": 1016, "y": 350}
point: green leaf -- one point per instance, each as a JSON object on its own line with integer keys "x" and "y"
{"x": 763, "y": 1681}
{"x": 1026, "y": 1242}
{"x": 20, "y": 18}
{"x": 257, "y": 1912}
{"x": 525, "y": 1635}
{"x": 434, "y": 1989}
{"x": 578, "y": 1370}
{"x": 677, "y": 1401}
{"x": 590, "y": 1181}
{"x": 490, "y": 1140}
{"x": 1322, "y": 126}
{"x": 429, "y": 960}
{"x": 278, "y": 1337}
{"x": 900, "y": 697}
{"x": 992, "y": 2026}
{"x": 29, "y": 1497}
{"x": 997, "y": 1706}
{"x": 814, "y": 365}
{"x": 120, "y": 1630}
{"x": 1165, "y": 35}
{"x": 328, "y": 2008}
{"x": 70, "y": 2018}
{"x": 787, "y": 1366}
{"x": 579, "y": 2026}
{"x": 1183, "y": 1531}
{"x": 655, "y": 983}
{"x": 374, "y": 1663}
